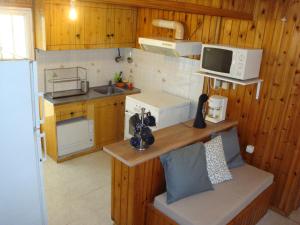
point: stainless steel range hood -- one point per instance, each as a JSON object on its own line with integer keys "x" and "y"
{"x": 171, "y": 47}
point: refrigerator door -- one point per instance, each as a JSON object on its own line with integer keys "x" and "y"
{"x": 38, "y": 96}
{"x": 21, "y": 190}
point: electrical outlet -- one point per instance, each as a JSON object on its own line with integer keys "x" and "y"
{"x": 250, "y": 149}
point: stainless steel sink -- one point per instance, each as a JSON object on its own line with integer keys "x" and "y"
{"x": 108, "y": 90}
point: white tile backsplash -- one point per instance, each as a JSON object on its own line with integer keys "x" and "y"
{"x": 149, "y": 71}
{"x": 100, "y": 63}
{"x": 170, "y": 74}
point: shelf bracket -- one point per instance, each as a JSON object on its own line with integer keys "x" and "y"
{"x": 258, "y": 87}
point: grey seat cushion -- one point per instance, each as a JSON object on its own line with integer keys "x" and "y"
{"x": 218, "y": 207}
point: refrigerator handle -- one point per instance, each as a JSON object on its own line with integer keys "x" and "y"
{"x": 41, "y": 117}
{"x": 43, "y": 155}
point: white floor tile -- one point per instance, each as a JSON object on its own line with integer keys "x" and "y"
{"x": 272, "y": 218}
{"x": 295, "y": 216}
{"x": 78, "y": 192}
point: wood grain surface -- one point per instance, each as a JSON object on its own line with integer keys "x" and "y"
{"x": 166, "y": 140}
{"x": 271, "y": 123}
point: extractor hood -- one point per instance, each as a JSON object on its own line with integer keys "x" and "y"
{"x": 171, "y": 47}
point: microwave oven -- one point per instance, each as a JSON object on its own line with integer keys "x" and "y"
{"x": 237, "y": 63}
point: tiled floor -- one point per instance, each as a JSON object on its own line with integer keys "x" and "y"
{"x": 78, "y": 193}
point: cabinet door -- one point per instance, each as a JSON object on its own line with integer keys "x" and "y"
{"x": 121, "y": 26}
{"x": 62, "y": 29}
{"x": 106, "y": 123}
{"x": 79, "y": 28}
{"x": 95, "y": 28}
{"x": 64, "y": 33}
{"x": 124, "y": 26}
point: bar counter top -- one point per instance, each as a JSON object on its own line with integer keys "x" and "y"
{"x": 166, "y": 140}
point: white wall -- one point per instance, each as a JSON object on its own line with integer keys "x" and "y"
{"x": 100, "y": 63}
{"x": 163, "y": 73}
{"x": 150, "y": 71}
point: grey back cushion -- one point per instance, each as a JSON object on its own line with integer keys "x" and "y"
{"x": 185, "y": 172}
{"x": 230, "y": 141}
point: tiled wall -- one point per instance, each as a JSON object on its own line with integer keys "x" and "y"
{"x": 100, "y": 63}
{"x": 169, "y": 74}
{"x": 149, "y": 71}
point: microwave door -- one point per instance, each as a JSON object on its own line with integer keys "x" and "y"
{"x": 217, "y": 60}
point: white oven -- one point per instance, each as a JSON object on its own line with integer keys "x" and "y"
{"x": 166, "y": 108}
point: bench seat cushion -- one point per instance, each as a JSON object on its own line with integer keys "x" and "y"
{"x": 220, "y": 206}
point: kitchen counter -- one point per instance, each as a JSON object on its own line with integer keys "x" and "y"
{"x": 89, "y": 96}
{"x": 166, "y": 140}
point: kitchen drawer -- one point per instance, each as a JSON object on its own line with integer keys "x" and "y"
{"x": 70, "y": 111}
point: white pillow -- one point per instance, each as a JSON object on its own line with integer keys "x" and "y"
{"x": 217, "y": 168}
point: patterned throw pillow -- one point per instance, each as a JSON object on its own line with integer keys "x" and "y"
{"x": 217, "y": 169}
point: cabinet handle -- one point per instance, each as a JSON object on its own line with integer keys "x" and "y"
{"x": 108, "y": 35}
{"x": 115, "y": 104}
{"x": 122, "y": 103}
{"x": 112, "y": 35}
{"x": 72, "y": 113}
{"x": 78, "y": 35}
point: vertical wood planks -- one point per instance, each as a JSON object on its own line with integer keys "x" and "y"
{"x": 267, "y": 123}
{"x": 133, "y": 188}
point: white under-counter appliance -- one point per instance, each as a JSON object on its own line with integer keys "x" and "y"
{"x": 166, "y": 108}
{"x": 74, "y": 136}
{"x": 238, "y": 63}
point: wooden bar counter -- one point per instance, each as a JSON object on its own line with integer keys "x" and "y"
{"x": 137, "y": 177}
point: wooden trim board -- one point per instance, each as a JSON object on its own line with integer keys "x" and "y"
{"x": 185, "y": 7}
{"x": 166, "y": 140}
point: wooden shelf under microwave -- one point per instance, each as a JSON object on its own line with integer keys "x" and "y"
{"x": 234, "y": 81}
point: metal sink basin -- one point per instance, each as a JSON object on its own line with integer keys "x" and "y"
{"x": 108, "y": 90}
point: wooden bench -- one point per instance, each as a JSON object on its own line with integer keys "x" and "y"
{"x": 243, "y": 200}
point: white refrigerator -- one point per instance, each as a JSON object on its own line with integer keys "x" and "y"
{"x": 21, "y": 176}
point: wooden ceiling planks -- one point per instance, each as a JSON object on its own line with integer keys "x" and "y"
{"x": 272, "y": 123}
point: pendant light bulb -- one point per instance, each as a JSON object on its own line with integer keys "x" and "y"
{"x": 72, "y": 13}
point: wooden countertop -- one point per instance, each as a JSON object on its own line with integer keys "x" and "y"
{"x": 166, "y": 140}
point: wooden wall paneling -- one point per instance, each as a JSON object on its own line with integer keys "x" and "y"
{"x": 117, "y": 191}
{"x": 131, "y": 194}
{"x": 261, "y": 122}
{"x": 257, "y": 106}
{"x": 272, "y": 121}
{"x": 124, "y": 193}
{"x": 289, "y": 140}
{"x": 16, "y": 3}
{"x": 293, "y": 179}
{"x": 133, "y": 188}
{"x": 197, "y": 24}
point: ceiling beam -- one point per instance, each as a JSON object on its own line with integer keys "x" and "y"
{"x": 181, "y": 7}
